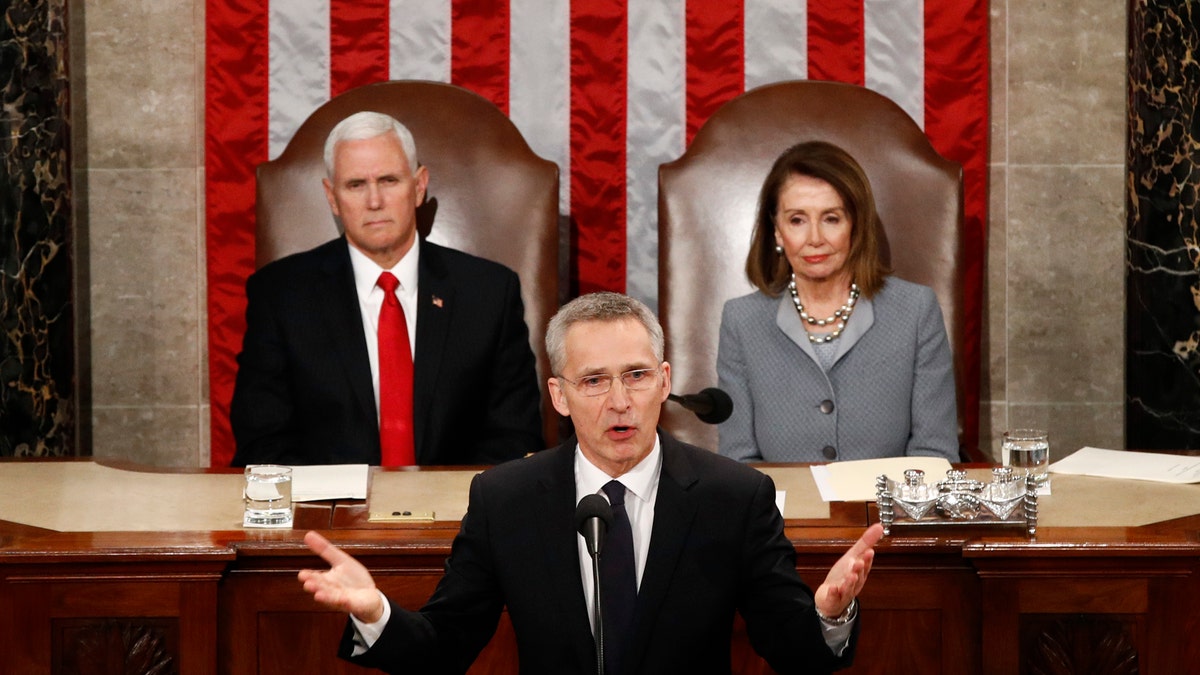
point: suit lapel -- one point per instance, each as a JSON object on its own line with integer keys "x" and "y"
{"x": 337, "y": 304}
{"x": 674, "y": 513}
{"x": 435, "y": 307}
{"x": 557, "y": 525}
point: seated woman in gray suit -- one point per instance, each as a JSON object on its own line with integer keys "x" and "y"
{"x": 832, "y": 358}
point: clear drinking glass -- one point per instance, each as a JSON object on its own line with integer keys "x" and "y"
{"x": 1028, "y": 450}
{"x": 268, "y": 496}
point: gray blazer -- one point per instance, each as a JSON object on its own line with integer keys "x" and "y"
{"x": 889, "y": 393}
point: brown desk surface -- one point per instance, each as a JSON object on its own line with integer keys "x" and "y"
{"x": 86, "y": 496}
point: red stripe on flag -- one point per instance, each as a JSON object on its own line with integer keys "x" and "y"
{"x": 715, "y": 53}
{"x": 956, "y": 121}
{"x": 235, "y": 142}
{"x": 358, "y": 43}
{"x": 836, "y": 41}
{"x": 479, "y": 48}
{"x": 599, "y": 91}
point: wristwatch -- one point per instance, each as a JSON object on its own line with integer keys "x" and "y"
{"x": 845, "y": 617}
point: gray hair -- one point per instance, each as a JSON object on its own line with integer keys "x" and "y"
{"x": 363, "y": 125}
{"x": 603, "y": 306}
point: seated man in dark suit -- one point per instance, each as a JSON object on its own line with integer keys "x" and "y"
{"x": 705, "y": 540}
{"x": 439, "y": 361}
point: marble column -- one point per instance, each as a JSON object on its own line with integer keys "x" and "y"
{"x": 1162, "y": 390}
{"x": 37, "y": 413}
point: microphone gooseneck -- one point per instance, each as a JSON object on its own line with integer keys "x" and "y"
{"x": 593, "y": 517}
{"x": 711, "y": 405}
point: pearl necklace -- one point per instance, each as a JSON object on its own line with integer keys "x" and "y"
{"x": 840, "y": 315}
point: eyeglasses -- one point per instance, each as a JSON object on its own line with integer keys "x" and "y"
{"x": 600, "y": 383}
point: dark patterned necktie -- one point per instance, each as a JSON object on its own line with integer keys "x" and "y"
{"x": 619, "y": 581}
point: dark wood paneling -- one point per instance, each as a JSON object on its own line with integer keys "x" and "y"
{"x": 229, "y": 602}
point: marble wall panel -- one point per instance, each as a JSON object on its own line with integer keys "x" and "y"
{"x": 995, "y": 322}
{"x": 992, "y": 349}
{"x": 1163, "y": 310}
{"x": 1065, "y": 80}
{"x": 1071, "y": 425}
{"x": 143, "y": 92}
{"x": 998, "y": 69}
{"x": 1065, "y": 291}
{"x": 144, "y": 88}
{"x": 145, "y": 293}
{"x": 995, "y": 418}
{"x": 37, "y": 413}
{"x": 204, "y": 450}
{"x": 154, "y": 436}
{"x": 1054, "y": 295}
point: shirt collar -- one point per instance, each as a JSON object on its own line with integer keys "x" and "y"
{"x": 640, "y": 480}
{"x": 366, "y": 272}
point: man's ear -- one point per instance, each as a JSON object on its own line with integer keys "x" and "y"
{"x": 558, "y": 397}
{"x": 422, "y": 177}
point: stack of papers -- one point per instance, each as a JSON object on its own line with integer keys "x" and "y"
{"x": 329, "y": 481}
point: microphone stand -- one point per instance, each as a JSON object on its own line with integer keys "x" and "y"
{"x": 592, "y": 519}
{"x": 597, "y": 614}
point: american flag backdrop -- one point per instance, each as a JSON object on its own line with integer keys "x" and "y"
{"x": 607, "y": 89}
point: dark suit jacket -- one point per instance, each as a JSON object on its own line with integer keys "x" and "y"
{"x": 717, "y": 548}
{"x": 303, "y": 392}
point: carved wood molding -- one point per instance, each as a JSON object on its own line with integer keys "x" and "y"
{"x": 1078, "y": 643}
{"x": 114, "y": 646}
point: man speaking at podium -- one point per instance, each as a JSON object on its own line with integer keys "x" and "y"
{"x": 693, "y": 538}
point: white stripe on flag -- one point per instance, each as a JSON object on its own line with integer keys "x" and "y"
{"x": 654, "y": 131}
{"x": 895, "y": 52}
{"x": 419, "y": 39}
{"x": 776, "y": 41}
{"x": 539, "y": 82}
{"x": 298, "y": 67}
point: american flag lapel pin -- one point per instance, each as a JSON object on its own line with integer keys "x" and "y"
{"x": 437, "y": 302}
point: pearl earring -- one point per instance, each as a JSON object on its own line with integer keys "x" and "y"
{"x": 778, "y": 249}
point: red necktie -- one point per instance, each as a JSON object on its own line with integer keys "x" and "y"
{"x": 395, "y": 379}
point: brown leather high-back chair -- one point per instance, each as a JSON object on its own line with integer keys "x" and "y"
{"x": 708, "y": 199}
{"x": 488, "y": 195}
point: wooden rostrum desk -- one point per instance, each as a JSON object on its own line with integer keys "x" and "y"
{"x": 128, "y": 580}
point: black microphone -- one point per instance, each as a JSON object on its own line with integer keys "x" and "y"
{"x": 593, "y": 517}
{"x": 711, "y": 405}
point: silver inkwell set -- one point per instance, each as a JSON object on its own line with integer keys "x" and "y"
{"x": 1009, "y": 500}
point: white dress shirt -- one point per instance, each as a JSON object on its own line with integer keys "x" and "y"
{"x": 641, "y": 493}
{"x": 370, "y": 301}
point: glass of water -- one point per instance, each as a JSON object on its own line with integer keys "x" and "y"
{"x": 268, "y": 496}
{"x": 1028, "y": 450}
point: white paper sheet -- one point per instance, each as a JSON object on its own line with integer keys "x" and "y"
{"x": 1124, "y": 464}
{"x": 854, "y": 481}
{"x": 329, "y": 481}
